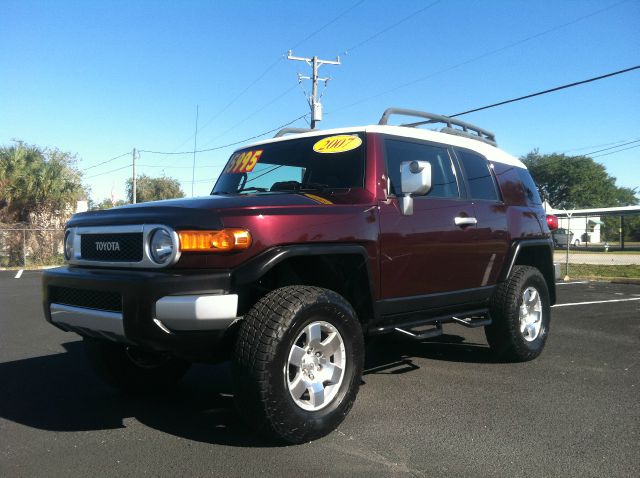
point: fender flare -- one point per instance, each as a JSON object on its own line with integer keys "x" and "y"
{"x": 258, "y": 266}
{"x": 517, "y": 247}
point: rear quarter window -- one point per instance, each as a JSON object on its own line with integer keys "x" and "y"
{"x": 530, "y": 189}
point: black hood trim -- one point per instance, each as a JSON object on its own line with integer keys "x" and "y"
{"x": 175, "y": 217}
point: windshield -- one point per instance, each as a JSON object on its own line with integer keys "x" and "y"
{"x": 316, "y": 163}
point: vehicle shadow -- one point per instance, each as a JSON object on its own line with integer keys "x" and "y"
{"x": 61, "y": 393}
{"x": 393, "y": 354}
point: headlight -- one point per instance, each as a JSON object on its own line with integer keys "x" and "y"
{"x": 161, "y": 246}
{"x": 68, "y": 244}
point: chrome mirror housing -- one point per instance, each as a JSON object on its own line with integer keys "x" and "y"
{"x": 415, "y": 178}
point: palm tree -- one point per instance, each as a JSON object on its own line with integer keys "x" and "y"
{"x": 37, "y": 188}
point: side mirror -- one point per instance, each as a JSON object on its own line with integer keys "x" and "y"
{"x": 415, "y": 178}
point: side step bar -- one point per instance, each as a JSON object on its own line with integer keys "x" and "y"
{"x": 476, "y": 318}
{"x": 472, "y": 322}
{"x": 427, "y": 334}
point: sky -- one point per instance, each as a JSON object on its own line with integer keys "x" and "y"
{"x": 98, "y": 79}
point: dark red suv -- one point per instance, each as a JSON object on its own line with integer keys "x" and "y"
{"x": 308, "y": 244}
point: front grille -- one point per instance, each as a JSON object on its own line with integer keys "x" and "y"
{"x": 90, "y": 299}
{"x": 126, "y": 247}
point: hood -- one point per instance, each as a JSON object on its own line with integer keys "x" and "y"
{"x": 196, "y": 213}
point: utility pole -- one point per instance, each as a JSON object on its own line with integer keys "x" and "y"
{"x": 315, "y": 63}
{"x": 135, "y": 181}
{"x": 195, "y": 145}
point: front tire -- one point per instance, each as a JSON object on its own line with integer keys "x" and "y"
{"x": 298, "y": 363}
{"x": 520, "y": 312}
{"x": 131, "y": 369}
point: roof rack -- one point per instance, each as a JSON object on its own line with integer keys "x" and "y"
{"x": 468, "y": 130}
{"x": 284, "y": 131}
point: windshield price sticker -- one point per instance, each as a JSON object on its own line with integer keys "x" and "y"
{"x": 244, "y": 162}
{"x": 337, "y": 144}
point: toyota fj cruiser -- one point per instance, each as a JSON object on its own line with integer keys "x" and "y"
{"x": 309, "y": 243}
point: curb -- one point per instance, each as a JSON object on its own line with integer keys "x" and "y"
{"x": 626, "y": 281}
{"x": 612, "y": 280}
{"x": 31, "y": 268}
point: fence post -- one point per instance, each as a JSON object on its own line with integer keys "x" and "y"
{"x": 566, "y": 272}
{"x": 24, "y": 248}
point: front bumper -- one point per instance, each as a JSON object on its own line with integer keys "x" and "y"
{"x": 188, "y": 313}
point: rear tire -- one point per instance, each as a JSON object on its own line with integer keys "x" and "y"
{"x": 298, "y": 363}
{"x": 131, "y": 369}
{"x": 520, "y": 315}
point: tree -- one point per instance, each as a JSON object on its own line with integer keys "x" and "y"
{"x": 106, "y": 203}
{"x": 576, "y": 182}
{"x": 153, "y": 189}
{"x": 37, "y": 184}
{"x": 39, "y": 188}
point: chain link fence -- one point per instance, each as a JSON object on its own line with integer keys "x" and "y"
{"x": 605, "y": 261}
{"x": 25, "y": 247}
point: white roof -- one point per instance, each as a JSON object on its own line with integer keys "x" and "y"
{"x": 490, "y": 152}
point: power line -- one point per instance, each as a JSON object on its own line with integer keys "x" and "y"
{"x": 266, "y": 105}
{"x": 614, "y": 152}
{"x": 612, "y": 147}
{"x": 593, "y": 146}
{"x": 112, "y": 171}
{"x": 551, "y": 90}
{"x": 481, "y": 56}
{"x": 340, "y": 15}
{"x": 162, "y": 166}
{"x": 107, "y": 161}
{"x": 239, "y": 95}
{"x": 225, "y": 145}
{"x": 199, "y": 181}
{"x": 268, "y": 69}
{"x": 390, "y": 27}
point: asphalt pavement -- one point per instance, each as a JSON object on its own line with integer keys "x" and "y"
{"x": 437, "y": 408}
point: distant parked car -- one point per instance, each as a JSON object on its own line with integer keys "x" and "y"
{"x": 561, "y": 236}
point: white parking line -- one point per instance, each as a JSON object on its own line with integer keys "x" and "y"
{"x": 596, "y": 302}
{"x": 19, "y": 274}
{"x": 575, "y": 282}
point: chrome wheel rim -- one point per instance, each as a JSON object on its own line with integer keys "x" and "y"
{"x": 531, "y": 314}
{"x": 315, "y": 368}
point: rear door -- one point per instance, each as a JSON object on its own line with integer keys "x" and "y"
{"x": 426, "y": 253}
{"x": 492, "y": 234}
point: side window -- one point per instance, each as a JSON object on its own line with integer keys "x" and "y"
{"x": 530, "y": 190}
{"x": 479, "y": 177}
{"x": 443, "y": 178}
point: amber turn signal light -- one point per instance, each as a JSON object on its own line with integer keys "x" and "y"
{"x": 214, "y": 241}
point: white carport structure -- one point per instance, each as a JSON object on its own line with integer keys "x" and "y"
{"x": 586, "y": 222}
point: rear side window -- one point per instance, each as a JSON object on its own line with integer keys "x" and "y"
{"x": 479, "y": 177}
{"x": 443, "y": 178}
{"x": 530, "y": 189}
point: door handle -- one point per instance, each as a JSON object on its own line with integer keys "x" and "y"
{"x": 465, "y": 221}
